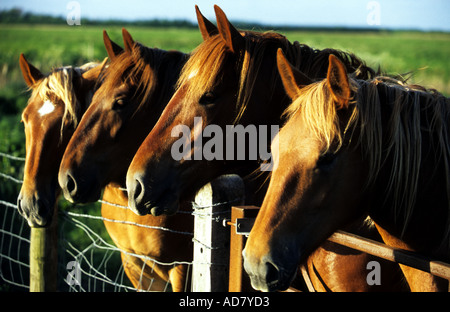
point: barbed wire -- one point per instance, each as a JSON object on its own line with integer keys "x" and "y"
{"x": 14, "y": 266}
{"x": 12, "y": 157}
{"x": 80, "y": 256}
{"x": 8, "y": 204}
{"x": 99, "y": 243}
{"x": 11, "y": 178}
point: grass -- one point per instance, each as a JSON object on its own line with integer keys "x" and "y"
{"x": 50, "y": 46}
{"x": 424, "y": 54}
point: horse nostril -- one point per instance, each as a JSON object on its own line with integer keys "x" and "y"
{"x": 19, "y": 206}
{"x": 71, "y": 185}
{"x": 136, "y": 194}
{"x": 138, "y": 190}
{"x": 272, "y": 274}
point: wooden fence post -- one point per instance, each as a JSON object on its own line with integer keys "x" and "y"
{"x": 239, "y": 280}
{"x": 44, "y": 257}
{"x": 212, "y": 207}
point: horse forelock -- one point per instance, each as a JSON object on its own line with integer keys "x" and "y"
{"x": 139, "y": 68}
{"x": 203, "y": 66}
{"x": 60, "y": 84}
{"x": 204, "y": 69}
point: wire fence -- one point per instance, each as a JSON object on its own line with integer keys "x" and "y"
{"x": 82, "y": 239}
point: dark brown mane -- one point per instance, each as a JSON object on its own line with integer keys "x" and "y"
{"x": 314, "y": 62}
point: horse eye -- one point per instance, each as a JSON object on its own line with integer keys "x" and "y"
{"x": 119, "y": 103}
{"x": 208, "y": 98}
{"x": 326, "y": 160}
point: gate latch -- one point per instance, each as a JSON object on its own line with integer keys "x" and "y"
{"x": 244, "y": 226}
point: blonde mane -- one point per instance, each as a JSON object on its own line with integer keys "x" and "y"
{"x": 207, "y": 61}
{"x": 400, "y": 138}
{"x": 59, "y": 84}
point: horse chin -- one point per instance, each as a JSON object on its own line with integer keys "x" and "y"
{"x": 166, "y": 205}
{"x": 166, "y": 210}
{"x": 36, "y": 221}
{"x": 273, "y": 271}
{"x": 88, "y": 195}
{"x": 278, "y": 280}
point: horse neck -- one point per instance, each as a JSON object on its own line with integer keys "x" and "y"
{"x": 167, "y": 72}
{"x": 84, "y": 92}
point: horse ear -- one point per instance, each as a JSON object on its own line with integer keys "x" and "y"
{"x": 93, "y": 73}
{"x": 207, "y": 29}
{"x": 30, "y": 73}
{"x": 127, "y": 40}
{"x": 231, "y": 35}
{"x": 337, "y": 81}
{"x": 112, "y": 48}
{"x": 292, "y": 78}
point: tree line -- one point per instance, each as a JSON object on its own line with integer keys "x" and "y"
{"x": 19, "y": 16}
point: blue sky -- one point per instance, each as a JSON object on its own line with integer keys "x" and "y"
{"x": 417, "y": 14}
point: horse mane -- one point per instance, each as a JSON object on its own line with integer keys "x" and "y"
{"x": 209, "y": 57}
{"x": 140, "y": 67}
{"x": 401, "y": 138}
{"x": 59, "y": 83}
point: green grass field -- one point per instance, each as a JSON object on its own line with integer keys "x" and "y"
{"x": 396, "y": 52}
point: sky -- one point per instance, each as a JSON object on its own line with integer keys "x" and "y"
{"x": 392, "y": 14}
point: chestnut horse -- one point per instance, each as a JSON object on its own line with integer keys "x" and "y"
{"x": 231, "y": 79}
{"x": 57, "y": 103}
{"x": 135, "y": 89}
{"x": 352, "y": 148}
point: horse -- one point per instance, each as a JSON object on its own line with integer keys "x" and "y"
{"x": 230, "y": 79}
{"x": 135, "y": 88}
{"x": 352, "y": 148}
{"x": 54, "y": 110}
{"x": 57, "y": 102}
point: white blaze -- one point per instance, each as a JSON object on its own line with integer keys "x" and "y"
{"x": 46, "y": 108}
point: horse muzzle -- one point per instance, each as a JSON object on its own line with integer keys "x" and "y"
{"x": 37, "y": 210}
{"x": 79, "y": 190}
{"x": 148, "y": 197}
{"x": 268, "y": 274}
